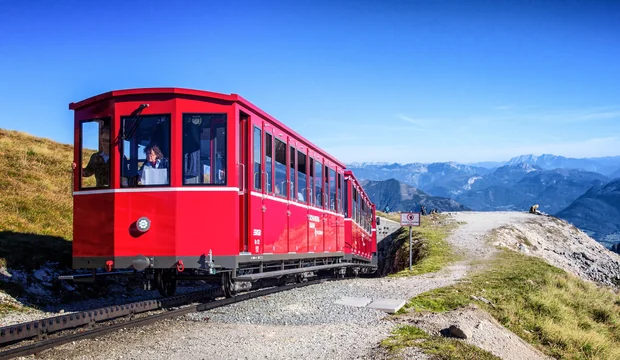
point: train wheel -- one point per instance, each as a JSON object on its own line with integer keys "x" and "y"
{"x": 228, "y": 285}
{"x": 166, "y": 283}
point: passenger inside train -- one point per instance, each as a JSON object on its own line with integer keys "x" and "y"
{"x": 98, "y": 164}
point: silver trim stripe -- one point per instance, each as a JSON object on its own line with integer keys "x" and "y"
{"x": 271, "y": 197}
{"x": 358, "y": 225}
{"x": 199, "y": 189}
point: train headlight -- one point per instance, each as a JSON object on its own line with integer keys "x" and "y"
{"x": 143, "y": 224}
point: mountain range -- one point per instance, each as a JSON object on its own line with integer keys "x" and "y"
{"x": 397, "y": 196}
{"x": 558, "y": 184}
{"x": 597, "y": 212}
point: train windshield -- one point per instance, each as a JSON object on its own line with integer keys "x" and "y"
{"x": 146, "y": 150}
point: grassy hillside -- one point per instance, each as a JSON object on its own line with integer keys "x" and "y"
{"x": 35, "y": 199}
{"x": 430, "y": 251}
{"x": 560, "y": 314}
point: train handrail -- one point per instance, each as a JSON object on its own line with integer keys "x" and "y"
{"x": 243, "y": 175}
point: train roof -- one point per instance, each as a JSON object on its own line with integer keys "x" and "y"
{"x": 350, "y": 173}
{"x": 233, "y": 98}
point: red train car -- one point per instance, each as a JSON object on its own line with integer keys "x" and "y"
{"x": 184, "y": 182}
{"x": 360, "y": 225}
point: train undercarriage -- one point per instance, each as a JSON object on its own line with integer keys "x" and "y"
{"x": 246, "y": 277}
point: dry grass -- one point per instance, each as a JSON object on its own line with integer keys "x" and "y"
{"x": 35, "y": 186}
{"x": 562, "y": 315}
{"x": 36, "y": 204}
{"x": 436, "y": 346}
{"x": 430, "y": 245}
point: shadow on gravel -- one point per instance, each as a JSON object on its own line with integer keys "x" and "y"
{"x": 29, "y": 268}
{"x": 30, "y": 251}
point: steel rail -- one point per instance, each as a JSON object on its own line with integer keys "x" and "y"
{"x": 52, "y": 343}
{"x": 42, "y": 327}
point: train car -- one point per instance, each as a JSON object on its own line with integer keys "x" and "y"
{"x": 360, "y": 225}
{"x": 181, "y": 183}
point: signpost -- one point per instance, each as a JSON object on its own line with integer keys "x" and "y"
{"x": 410, "y": 219}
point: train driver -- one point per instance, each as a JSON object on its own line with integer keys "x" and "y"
{"x": 154, "y": 171}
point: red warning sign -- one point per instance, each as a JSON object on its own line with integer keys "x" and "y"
{"x": 410, "y": 219}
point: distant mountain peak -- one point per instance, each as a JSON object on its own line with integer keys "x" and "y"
{"x": 603, "y": 166}
{"x": 357, "y": 164}
{"x": 525, "y": 167}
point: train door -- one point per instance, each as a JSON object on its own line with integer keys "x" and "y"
{"x": 298, "y": 220}
{"x": 268, "y": 235}
{"x": 341, "y": 207}
{"x": 243, "y": 170}
{"x": 256, "y": 186}
{"x": 331, "y": 210}
{"x": 315, "y": 210}
{"x": 277, "y": 211}
{"x": 293, "y": 209}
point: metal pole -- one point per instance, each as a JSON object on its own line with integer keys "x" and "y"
{"x": 410, "y": 248}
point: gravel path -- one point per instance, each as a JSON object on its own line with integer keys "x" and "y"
{"x": 470, "y": 238}
{"x": 294, "y": 324}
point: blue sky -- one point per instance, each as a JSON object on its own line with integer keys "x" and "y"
{"x": 395, "y": 81}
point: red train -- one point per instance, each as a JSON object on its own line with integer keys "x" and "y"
{"x": 189, "y": 184}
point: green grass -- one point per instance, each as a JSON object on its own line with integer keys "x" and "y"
{"x": 430, "y": 247}
{"x": 562, "y": 315}
{"x": 7, "y": 308}
{"x": 439, "y": 347}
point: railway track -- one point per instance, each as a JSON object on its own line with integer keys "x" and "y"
{"x": 40, "y": 329}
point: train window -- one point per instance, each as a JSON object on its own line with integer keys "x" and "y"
{"x": 332, "y": 190}
{"x": 346, "y": 199}
{"x": 354, "y": 204}
{"x": 339, "y": 194}
{"x": 302, "y": 193}
{"x": 368, "y": 217}
{"x": 359, "y": 209}
{"x": 361, "y": 213}
{"x": 257, "y": 158}
{"x": 268, "y": 162}
{"x": 280, "y": 150}
{"x": 95, "y": 159}
{"x": 318, "y": 180}
{"x": 146, "y": 150}
{"x": 292, "y": 186}
{"x": 326, "y": 186}
{"x": 365, "y": 215}
{"x": 310, "y": 196}
{"x": 204, "y": 149}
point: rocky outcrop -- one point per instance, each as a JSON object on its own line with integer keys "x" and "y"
{"x": 563, "y": 246}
